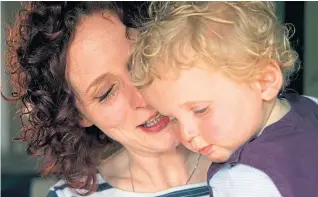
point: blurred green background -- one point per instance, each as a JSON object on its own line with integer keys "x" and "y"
{"x": 19, "y": 177}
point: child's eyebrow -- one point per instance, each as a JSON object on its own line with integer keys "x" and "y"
{"x": 190, "y": 104}
{"x": 187, "y": 104}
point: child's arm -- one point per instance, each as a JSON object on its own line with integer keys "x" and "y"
{"x": 242, "y": 181}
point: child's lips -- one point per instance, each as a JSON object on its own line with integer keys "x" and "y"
{"x": 206, "y": 150}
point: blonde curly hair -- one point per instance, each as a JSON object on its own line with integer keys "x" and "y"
{"x": 230, "y": 36}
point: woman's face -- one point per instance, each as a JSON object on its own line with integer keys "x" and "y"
{"x": 97, "y": 71}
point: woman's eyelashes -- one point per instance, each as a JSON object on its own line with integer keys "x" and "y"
{"x": 107, "y": 94}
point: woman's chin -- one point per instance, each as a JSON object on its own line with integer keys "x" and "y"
{"x": 163, "y": 141}
{"x": 165, "y": 145}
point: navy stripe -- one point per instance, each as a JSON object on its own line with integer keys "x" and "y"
{"x": 191, "y": 192}
{"x": 61, "y": 187}
{"x": 51, "y": 194}
{"x": 101, "y": 187}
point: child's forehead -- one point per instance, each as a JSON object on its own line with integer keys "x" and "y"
{"x": 193, "y": 85}
{"x": 193, "y": 74}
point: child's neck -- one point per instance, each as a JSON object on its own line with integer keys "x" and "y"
{"x": 275, "y": 111}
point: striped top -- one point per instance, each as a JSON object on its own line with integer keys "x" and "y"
{"x": 106, "y": 190}
{"x": 242, "y": 181}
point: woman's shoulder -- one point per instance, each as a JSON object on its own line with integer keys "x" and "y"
{"x": 113, "y": 166}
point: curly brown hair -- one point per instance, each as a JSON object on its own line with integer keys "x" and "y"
{"x": 36, "y": 59}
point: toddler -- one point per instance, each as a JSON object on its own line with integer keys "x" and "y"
{"x": 217, "y": 69}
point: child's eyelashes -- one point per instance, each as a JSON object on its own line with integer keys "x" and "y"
{"x": 200, "y": 110}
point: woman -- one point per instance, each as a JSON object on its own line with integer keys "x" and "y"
{"x": 69, "y": 69}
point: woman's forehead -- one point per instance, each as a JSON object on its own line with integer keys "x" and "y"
{"x": 96, "y": 28}
{"x": 98, "y": 46}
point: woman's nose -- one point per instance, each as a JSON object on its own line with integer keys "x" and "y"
{"x": 188, "y": 131}
{"x": 138, "y": 99}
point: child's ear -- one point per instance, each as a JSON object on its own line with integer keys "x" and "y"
{"x": 271, "y": 80}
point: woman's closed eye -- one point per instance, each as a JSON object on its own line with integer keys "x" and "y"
{"x": 110, "y": 92}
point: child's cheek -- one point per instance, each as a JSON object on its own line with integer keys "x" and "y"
{"x": 209, "y": 130}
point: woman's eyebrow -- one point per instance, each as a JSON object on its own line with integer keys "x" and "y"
{"x": 97, "y": 81}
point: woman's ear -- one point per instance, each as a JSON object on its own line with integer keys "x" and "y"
{"x": 85, "y": 122}
{"x": 271, "y": 80}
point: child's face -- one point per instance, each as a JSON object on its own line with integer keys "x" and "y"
{"x": 215, "y": 114}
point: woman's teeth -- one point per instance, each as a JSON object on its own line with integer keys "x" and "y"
{"x": 153, "y": 121}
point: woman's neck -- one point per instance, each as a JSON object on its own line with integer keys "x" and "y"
{"x": 160, "y": 171}
{"x": 134, "y": 171}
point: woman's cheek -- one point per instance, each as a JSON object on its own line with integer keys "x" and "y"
{"x": 112, "y": 116}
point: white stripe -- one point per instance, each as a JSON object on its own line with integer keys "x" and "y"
{"x": 242, "y": 181}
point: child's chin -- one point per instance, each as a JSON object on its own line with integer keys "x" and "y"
{"x": 219, "y": 157}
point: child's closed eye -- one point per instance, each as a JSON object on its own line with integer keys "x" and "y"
{"x": 200, "y": 110}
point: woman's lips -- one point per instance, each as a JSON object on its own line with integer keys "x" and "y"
{"x": 158, "y": 126}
